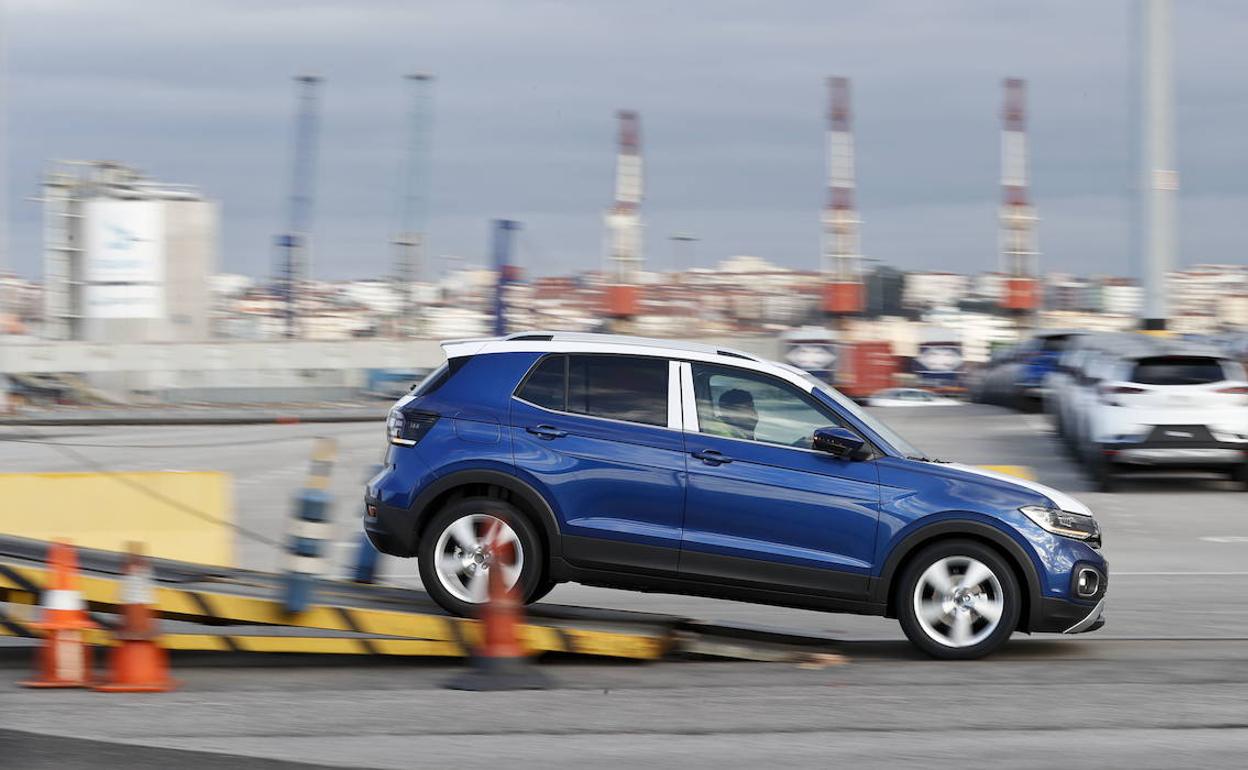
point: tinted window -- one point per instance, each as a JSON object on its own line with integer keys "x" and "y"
{"x": 1057, "y": 342}
{"x": 1177, "y": 370}
{"x": 628, "y": 388}
{"x": 544, "y": 386}
{"x": 439, "y": 377}
{"x": 737, "y": 403}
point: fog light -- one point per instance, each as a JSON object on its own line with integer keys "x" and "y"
{"x": 1088, "y": 583}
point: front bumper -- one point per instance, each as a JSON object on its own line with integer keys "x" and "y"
{"x": 1061, "y": 616}
{"x": 1080, "y": 607}
{"x": 1092, "y": 621}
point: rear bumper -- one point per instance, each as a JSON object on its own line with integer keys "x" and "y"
{"x": 1189, "y": 446}
{"x": 1196, "y": 454}
{"x": 1186, "y": 456}
{"x": 391, "y": 530}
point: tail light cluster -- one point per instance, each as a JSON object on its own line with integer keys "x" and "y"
{"x": 1109, "y": 393}
{"x": 407, "y": 428}
{"x": 1236, "y": 390}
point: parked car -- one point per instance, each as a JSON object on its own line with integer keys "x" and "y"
{"x": 1017, "y": 377}
{"x": 659, "y": 466}
{"x": 910, "y": 397}
{"x": 1071, "y": 384}
{"x": 1165, "y": 408}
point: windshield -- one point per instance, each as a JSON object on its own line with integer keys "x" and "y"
{"x": 883, "y": 431}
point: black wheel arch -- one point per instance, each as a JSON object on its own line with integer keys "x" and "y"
{"x": 490, "y": 483}
{"x": 1025, "y": 571}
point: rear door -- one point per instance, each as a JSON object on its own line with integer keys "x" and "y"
{"x": 763, "y": 508}
{"x": 601, "y": 433}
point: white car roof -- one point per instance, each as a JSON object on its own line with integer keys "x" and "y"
{"x": 581, "y": 342}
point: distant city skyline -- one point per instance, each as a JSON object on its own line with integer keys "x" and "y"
{"x": 731, "y": 103}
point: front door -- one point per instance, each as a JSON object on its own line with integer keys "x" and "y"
{"x": 600, "y": 433}
{"x": 762, "y": 507}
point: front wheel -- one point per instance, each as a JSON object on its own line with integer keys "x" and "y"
{"x": 958, "y": 600}
{"x": 457, "y": 551}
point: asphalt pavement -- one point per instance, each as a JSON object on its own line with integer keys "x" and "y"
{"x": 1162, "y": 685}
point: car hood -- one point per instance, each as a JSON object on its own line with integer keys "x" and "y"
{"x": 1055, "y": 496}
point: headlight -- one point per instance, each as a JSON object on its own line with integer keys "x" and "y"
{"x": 406, "y": 428}
{"x": 1064, "y": 523}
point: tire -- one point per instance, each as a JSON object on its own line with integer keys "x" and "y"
{"x": 966, "y": 630}
{"x": 462, "y": 592}
{"x": 1103, "y": 474}
{"x": 543, "y": 588}
{"x": 1240, "y": 476}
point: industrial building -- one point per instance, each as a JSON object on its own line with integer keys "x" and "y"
{"x": 126, "y": 258}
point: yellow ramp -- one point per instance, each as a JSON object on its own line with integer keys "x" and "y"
{"x": 1021, "y": 471}
{"x": 178, "y": 515}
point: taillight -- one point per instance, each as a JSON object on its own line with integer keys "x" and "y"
{"x": 406, "y": 428}
{"x": 1238, "y": 390}
{"x": 1109, "y": 392}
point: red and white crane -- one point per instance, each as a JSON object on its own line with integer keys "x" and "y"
{"x": 624, "y": 238}
{"x": 1018, "y": 217}
{"x": 842, "y": 260}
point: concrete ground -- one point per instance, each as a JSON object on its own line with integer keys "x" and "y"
{"x": 1162, "y": 685}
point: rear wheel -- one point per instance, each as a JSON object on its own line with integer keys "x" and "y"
{"x": 958, "y": 600}
{"x": 1103, "y": 473}
{"x": 459, "y": 549}
{"x": 1240, "y": 476}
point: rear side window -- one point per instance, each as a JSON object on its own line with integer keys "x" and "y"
{"x": 1177, "y": 370}
{"x": 439, "y": 377}
{"x": 545, "y": 387}
{"x": 629, "y": 388}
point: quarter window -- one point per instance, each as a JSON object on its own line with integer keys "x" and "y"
{"x": 737, "y": 403}
{"x": 546, "y": 387}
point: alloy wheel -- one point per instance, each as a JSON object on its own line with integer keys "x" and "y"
{"x": 466, "y": 552}
{"x": 958, "y": 601}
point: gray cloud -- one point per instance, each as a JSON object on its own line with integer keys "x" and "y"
{"x": 731, "y": 101}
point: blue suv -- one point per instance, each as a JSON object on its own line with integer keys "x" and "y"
{"x": 659, "y": 466}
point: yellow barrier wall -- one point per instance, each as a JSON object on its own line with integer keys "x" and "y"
{"x": 108, "y": 510}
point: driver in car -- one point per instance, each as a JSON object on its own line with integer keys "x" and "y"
{"x": 737, "y": 412}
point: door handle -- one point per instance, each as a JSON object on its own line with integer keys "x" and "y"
{"x": 546, "y": 431}
{"x": 712, "y": 457}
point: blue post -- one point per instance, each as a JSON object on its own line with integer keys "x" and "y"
{"x": 503, "y": 228}
{"x": 309, "y": 532}
{"x": 366, "y": 555}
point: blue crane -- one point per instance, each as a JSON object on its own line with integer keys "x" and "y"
{"x": 409, "y": 243}
{"x": 292, "y": 245}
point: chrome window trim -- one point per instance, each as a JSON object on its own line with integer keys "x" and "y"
{"x": 689, "y": 406}
{"x": 674, "y": 401}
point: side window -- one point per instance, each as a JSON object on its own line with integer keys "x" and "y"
{"x": 737, "y": 403}
{"x": 630, "y": 388}
{"x": 545, "y": 384}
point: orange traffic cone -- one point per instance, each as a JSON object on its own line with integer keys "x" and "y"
{"x": 64, "y": 658}
{"x": 138, "y": 663}
{"x": 500, "y": 663}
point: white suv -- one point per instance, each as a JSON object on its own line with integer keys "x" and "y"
{"x": 1168, "y": 409}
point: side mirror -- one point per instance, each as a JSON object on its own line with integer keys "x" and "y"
{"x": 838, "y": 442}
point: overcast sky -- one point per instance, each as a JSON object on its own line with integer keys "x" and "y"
{"x": 731, "y": 99}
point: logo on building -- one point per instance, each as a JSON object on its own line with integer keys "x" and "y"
{"x": 811, "y": 358}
